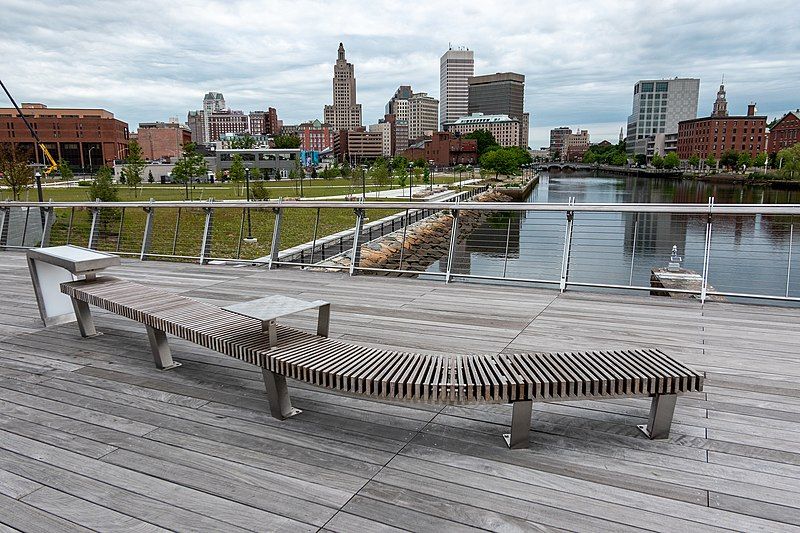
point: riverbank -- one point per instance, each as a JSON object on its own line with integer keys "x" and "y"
{"x": 740, "y": 179}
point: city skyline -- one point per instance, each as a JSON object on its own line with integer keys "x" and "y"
{"x": 580, "y": 64}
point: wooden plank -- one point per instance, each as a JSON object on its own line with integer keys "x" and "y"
{"x": 19, "y": 515}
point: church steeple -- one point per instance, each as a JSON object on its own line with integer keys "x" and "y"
{"x": 341, "y": 51}
{"x": 721, "y": 104}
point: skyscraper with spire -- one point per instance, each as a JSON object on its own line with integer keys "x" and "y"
{"x": 345, "y": 113}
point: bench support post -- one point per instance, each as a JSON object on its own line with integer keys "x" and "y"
{"x": 280, "y": 405}
{"x": 160, "y": 348}
{"x": 520, "y": 425}
{"x": 661, "y": 409}
{"x": 84, "y": 316}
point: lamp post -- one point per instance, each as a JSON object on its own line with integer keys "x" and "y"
{"x": 363, "y": 183}
{"x": 91, "y": 167}
{"x": 247, "y": 187}
{"x": 410, "y": 179}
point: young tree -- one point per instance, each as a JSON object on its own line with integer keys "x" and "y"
{"x": 14, "y": 170}
{"x": 150, "y": 178}
{"x": 189, "y": 166}
{"x": 641, "y": 160}
{"x": 103, "y": 189}
{"x": 236, "y": 173}
{"x": 134, "y": 165}
{"x": 694, "y": 160}
{"x": 259, "y": 191}
{"x": 379, "y": 175}
{"x": 245, "y": 142}
{"x": 671, "y": 161}
{"x": 400, "y": 162}
{"x": 729, "y": 159}
{"x": 789, "y": 161}
{"x": 64, "y": 170}
{"x": 256, "y": 174}
{"x": 743, "y": 161}
{"x": 760, "y": 160}
{"x": 345, "y": 170}
{"x": 711, "y": 161}
{"x": 657, "y": 161}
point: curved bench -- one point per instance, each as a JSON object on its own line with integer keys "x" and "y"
{"x": 519, "y": 379}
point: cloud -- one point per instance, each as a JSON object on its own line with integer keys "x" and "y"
{"x": 149, "y": 60}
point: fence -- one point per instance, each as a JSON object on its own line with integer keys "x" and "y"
{"x": 743, "y": 251}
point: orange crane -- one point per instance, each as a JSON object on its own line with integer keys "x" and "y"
{"x": 45, "y": 152}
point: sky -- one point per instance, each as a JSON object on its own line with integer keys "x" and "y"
{"x": 152, "y": 60}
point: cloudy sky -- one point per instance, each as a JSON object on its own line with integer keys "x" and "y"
{"x": 150, "y": 60}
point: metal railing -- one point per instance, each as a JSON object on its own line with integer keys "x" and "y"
{"x": 743, "y": 251}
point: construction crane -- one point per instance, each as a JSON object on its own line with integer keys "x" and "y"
{"x": 45, "y": 152}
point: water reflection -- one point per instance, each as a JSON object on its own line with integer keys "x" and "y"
{"x": 748, "y": 254}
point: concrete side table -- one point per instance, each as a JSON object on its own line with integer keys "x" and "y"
{"x": 270, "y": 308}
{"x": 52, "y": 266}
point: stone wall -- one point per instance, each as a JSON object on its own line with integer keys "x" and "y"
{"x": 422, "y": 243}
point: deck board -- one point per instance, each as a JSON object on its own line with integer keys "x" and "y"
{"x": 93, "y": 436}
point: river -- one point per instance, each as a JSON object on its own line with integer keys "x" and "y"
{"x": 748, "y": 254}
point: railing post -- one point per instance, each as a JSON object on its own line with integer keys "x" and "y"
{"x": 93, "y": 228}
{"x": 633, "y": 246}
{"x": 205, "y": 249}
{"x": 5, "y": 219}
{"x": 508, "y": 240}
{"x": 355, "y": 256}
{"x": 48, "y": 223}
{"x": 706, "y": 252}
{"x": 276, "y": 238}
{"x": 565, "y": 257}
{"x": 119, "y": 231}
{"x": 789, "y": 265}
{"x": 148, "y": 231}
{"x": 451, "y": 252}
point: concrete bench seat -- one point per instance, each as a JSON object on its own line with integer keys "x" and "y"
{"x": 519, "y": 379}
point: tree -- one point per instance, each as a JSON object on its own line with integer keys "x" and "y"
{"x": 64, "y": 170}
{"x": 236, "y": 173}
{"x": 743, "y": 161}
{"x": 259, "y": 191}
{"x": 103, "y": 189}
{"x": 345, "y": 170}
{"x": 711, "y": 161}
{"x": 789, "y": 161}
{"x": 244, "y": 142}
{"x": 379, "y": 175}
{"x": 486, "y": 140}
{"x": 400, "y": 162}
{"x": 760, "y": 160}
{"x": 420, "y": 162}
{"x": 501, "y": 161}
{"x": 134, "y": 165}
{"x": 256, "y": 174}
{"x": 619, "y": 159}
{"x": 14, "y": 170}
{"x": 694, "y": 160}
{"x": 286, "y": 141}
{"x": 641, "y": 160}
{"x": 150, "y": 178}
{"x": 671, "y": 161}
{"x": 190, "y": 165}
{"x": 657, "y": 161}
{"x": 729, "y": 159}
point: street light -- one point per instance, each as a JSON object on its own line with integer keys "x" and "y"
{"x": 410, "y": 179}
{"x": 91, "y": 167}
{"x": 363, "y": 183}
{"x": 249, "y": 238}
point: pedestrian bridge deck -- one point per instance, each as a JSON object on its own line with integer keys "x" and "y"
{"x": 92, "y": 435}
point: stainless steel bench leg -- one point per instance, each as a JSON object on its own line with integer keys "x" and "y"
{"x": 661, "y": 409}
{"x": 520, "y": 425}
{"x": 280, "y": 405}
{"x": 161, "y": 352}
{"x": 84, "y": 317}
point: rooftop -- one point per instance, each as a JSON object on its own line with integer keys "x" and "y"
{"x": 480, "y": 118}
{"x": 91, "y": 434}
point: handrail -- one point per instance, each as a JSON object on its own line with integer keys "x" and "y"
{"x": 719, "y": 209}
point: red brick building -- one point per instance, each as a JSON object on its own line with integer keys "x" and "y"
{"x": 357, "y": 145}
{"x": 162, "y": 140}
{"x": 85, "y": 138}
{"x": 265, "y": 122}
{"x": 445, "y": 150}
{"x": 315, "y": 136}
{"x": 716, "y": 135}
{"x": 785, "y": 133}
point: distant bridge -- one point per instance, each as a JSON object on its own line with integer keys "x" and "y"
{"x": 557, "y": 167}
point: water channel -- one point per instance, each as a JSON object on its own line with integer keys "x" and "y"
{"x": 749, "y": 254}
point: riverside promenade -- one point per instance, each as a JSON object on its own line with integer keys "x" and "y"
{"x": 94, "y": 437}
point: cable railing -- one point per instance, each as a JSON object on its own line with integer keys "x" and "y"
{"x": 738, "y": 251}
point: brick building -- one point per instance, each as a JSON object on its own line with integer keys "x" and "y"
{"x": 557, "y": 140}
{"x": 445, "y": 150}
{"x": 315, "y": 136}
{"x": 716, "y": 135}
{"x": 504, "y": 128}
{"x": 84, "y": 138}
{"x": 264, "y": 122}
{"x": 785, "y": 133}
{"x": 162, "y": 140}
{"x": 575, "y": 145}
{"x": 357, "y": 145}
{"x": 226, "y": 121}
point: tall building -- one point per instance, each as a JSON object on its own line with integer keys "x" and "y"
{"x": 398, "y": 104}
{"x": 225, "y": 121}
{"x": 264, "y": 122}
{"x": 455, "y": 69}
{"x": 195, "y": 121}
{"x": 502, "y": 93}
{"x": 658, "y": 107}
{"x": 212, "y": 103}
{"x": 84, "y": 138}
{"x": 557, "y": 136}
{"x": 385, "y": 129}
{"x": 422, "y": 115}
{"x": 357, "y": 145}
{"x": 504, "y": 128}
{"x": 162, "y": 140}
{"x": 345, "y": 113}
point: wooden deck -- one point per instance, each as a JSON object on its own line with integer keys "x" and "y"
{"x": 93, "y": 436}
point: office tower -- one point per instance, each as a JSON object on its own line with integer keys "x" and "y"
{"x": 658, "y": 106}
{"x": 502, "y": 93}
{"x": 345, "y": 113}
{"x": 455, "y": 68}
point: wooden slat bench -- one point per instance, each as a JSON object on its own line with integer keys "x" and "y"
{"x": 519, "y": 379}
